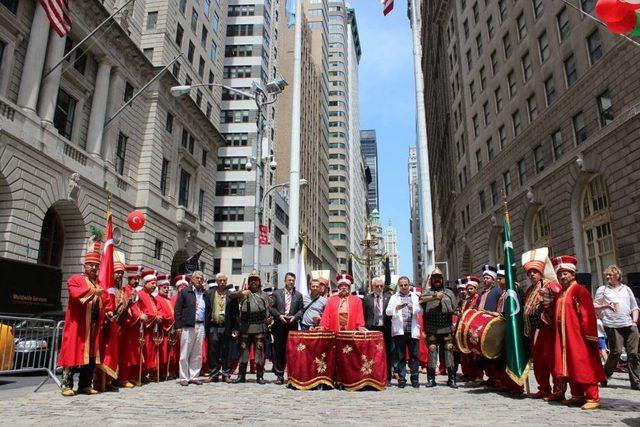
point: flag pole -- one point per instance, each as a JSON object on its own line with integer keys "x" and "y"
{"x": 81, "y": 42}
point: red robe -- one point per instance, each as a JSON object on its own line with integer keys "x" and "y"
{"x": 111, "y": 334}
{"x": 330, "y": 320}
{"x": 148, "y": 306}
{"x": 174, "y": 351}
{"x": 576, "y": 337}
{"x": 79, "y": 334}
{"x": 166, "y": 311}
{"x": 129, "y": 346}
{"x": 470, "y": 362}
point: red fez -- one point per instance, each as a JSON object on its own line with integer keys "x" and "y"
{"x": 565, "y": 263}
{"x": 93, "y": 256}
{"x": 344, "y": 278}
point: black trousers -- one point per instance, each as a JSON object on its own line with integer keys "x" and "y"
{"x": 218, "y": 351}
{"x": 280, "y": 334}
{"x": 402, "y": 343}
{"x": 257, "y": 340}
{"x": 387, "y": 347}
{"x": 445, "y": 344}
{"x": 85, "y": 378}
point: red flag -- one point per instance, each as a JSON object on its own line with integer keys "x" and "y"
{"x": 105, "y": 275}
{"x": 58, "y": 14}
{"x": 387, "y": 6}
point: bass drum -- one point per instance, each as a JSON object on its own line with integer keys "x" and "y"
{"x": 482, "y": 333}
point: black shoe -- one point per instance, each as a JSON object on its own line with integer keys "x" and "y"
{"x": 451, "y": 382}
{"x": 604, "y": 383}
{"x": 242, "y": 374}
{"x": 279, "y": 381}
{"x": 239, "y": 379}
{"x": 402, "y": 383}
{"x": 260, "y": 380}
{"x": 415, "y": 384}
{"x": 214, "y": 379}
{"x": 431, "y": 378}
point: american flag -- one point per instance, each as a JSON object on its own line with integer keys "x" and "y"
{"x": 387, "y": 6}
{"x": 58, "y": 14}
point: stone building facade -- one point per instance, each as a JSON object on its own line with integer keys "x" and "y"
{"x": 63, "y": 154}
{"x": 534, "y": 102}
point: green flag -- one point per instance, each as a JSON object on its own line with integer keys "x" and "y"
{"x": 516, "y": 348}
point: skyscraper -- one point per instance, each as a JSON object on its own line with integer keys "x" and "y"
{"x": 369, "y": 147}
{"x": 391, "y": 248}
{"x": 414, "y": 210}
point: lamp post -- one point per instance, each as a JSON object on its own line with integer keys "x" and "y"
{"x": 259, "y": 94}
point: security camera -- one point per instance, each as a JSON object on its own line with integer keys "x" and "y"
{"x": 277, "y": 85}
{"x": 273, "y": 165}
{"x": 248, "y": 166}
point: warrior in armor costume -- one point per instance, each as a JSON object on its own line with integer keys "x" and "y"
{"x": 439, "y": 304}
{"x": 254, "y": 316}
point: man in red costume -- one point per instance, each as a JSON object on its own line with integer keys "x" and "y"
{"x": 343, "y": 311}
{"x": 151, "y": 319}
{"x": 538, "y": 328}
{"x": 165, "y": 308}
{"x": 130, "y": 331}
{"x": 576, "y": 337}
{"x": 80, "y": 348}
{"x": 469, "y": 362}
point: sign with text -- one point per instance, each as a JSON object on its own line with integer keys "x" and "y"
{"x": 29, "y": 288}
{"x": 264, "y": 234}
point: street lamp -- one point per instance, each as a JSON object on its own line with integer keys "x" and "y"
{"x": 259, "y": 94}
{"x": 260, "y": 209}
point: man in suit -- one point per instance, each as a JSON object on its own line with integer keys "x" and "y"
{"x": 221, "y": 320}
{"x": 286, "y": 311}
{"x": 375, "y": 305}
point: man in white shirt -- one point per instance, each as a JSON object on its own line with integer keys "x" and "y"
{"x": 618, "y": 309}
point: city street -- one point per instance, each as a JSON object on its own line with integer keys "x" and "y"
{"x": 170, "y": 404}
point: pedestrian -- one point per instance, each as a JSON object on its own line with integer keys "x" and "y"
{"x": 619, "y": 313}
{"x": 286, "y": 311}
{"x": 80, "y": 348}
{"x": 602, "y": 344}
{"x": 254, "y": 307}
{"x": 313, "y": 304}
{"x": 403, "y": 308}
{"x": 375, "y": 306}
{"x": 438, "y": 305}
{"x": 576, "y": 349}
{"x": 221, "y": 318}
{"x": 189, "y": 324}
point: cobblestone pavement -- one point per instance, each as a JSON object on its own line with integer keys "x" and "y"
{"x": 169, "y": 404}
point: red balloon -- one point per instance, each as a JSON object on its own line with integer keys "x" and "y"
{"x": 135, "y": 220}
{"x": 625, "y": 26}
{"x": 630, "y": 5}
{"x": 611, "y": 10}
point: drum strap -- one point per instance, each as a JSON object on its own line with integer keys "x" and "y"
{"x": 308, "y": 305}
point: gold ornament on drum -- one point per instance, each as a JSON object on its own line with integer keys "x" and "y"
{"x": 367, "y": 365}
{"x": 321, "y": 363}
{"x": 379, "y": 347}
{"x": 347, "y": 349}
{"x": 301, "y": 347}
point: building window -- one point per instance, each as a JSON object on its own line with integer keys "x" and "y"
{"x": 596, "y": 224}
{"x": 579, "y": 128}
{"x": 487, "y": 113}
{"x": 483, "y": 206}
{"x": 594, "y": 44}
{"x": 537, "y": 8}
{"x": 207, "y": 7}
{"x": 183, "y": 194}
{"x": 605, "y": 109}
{"x": 469, "y": 60}
{"x": 236, "y": 139}
{"x": 522, "y": 171}
{"x": 121, "y": 153}
{"x": 490, "y": 29}
{"x": 214, "y": 50}
{"x": 497, "y": 95}
{"x": 229, "y": 213}
{"x": 164, "y": 173}
{"x": 157, "y": 249}
{"x": 65, "y": 113}
{"x": 502, "y": 134}
{"x": 128, "y": 92}
{"x": 168, "y": 124}
{"x": 472, "y": 90}
{"x": 152, "y": 20}
{"x": 588, "y": 5}
{"x": 506, "y": 45}
{"x": 513, "y": 89}
{"x": 12, "y": 5}
{"x": 506, "y": 182}
{"x": 216, "y": 265}
{"x": 215, "y": 21}
{"x": 522, "y": 27}
{"x": 194, "y": 19}
{"x": 231, "y": 188}
{"x": 556, "y": 144}
{"x": 51, "y": 240}
{"x": 527, "y": 71}
{"x": 540, "y": 230}
{"x": 148, "y": 53}
{"x": 201, "y": 205}
{"x": 479, "y": 46}
{"x": 479, "y": 159}
{"x": 236, "y": 266}
{"x": 231, "y": 163}
{"x": 538, "y": 158}
{"x": 543, "y": 47}
{"x": 191, "y": 52}
{"x": 495, "y": 65}
{"x": 564, "y": 27}
{"x": 570, "y": 70}
{"x": 476, "y": 125}
{"x": 229, "y": 240}
{"x": 494, "y": 192}
{"x": 183, "y": 6}
{"x": 465, "y": 27}
{"x": 502, "y": 7}
{"x": 483, "y": 78}
{"x": 532, "y": 108}
{"x": 205, "y": 154}
{"x": 517, "y": 123}
{"x": 179, "y": 35}
{"x": 550, "y": 90}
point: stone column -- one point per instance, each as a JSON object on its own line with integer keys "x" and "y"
{"x": 114, "y": 101}
{"x": 34, "y": 60}
{"x": 51, "y": 83}
{"x": 98, "y": 109}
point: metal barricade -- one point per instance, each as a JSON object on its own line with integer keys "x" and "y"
{"x": 29, "y": 344}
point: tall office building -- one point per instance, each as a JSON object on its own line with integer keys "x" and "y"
{"x": 369, "y": 147}
{"x": 414, "y": 211}
{"x": 391, "y": 248}
{"x": 533, "y": 101}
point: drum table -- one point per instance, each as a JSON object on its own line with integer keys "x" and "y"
{"x": 360, "y": 360}
{"x": 311, "y": 359}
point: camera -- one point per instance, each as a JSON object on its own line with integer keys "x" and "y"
{"x": 273, "y": 165}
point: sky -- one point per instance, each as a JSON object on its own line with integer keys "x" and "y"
{"x": 387, "y": 104}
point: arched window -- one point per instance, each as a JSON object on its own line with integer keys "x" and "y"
{"x": 497, "y": 248}
{"x": 596, "y": 226}
{"x": 466, "y": 267}
{"x": 540, "y": 230}
{"x": 51, "y": 240}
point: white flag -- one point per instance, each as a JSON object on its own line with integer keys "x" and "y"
{"x": 301, "y": 274}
